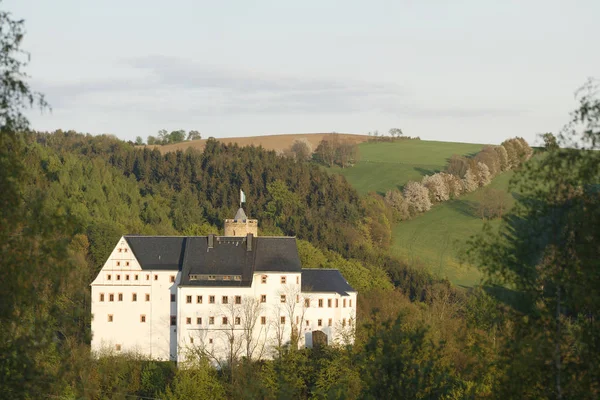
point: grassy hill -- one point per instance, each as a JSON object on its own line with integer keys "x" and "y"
{"x": 437, "y": 238}
{"x": 384, "y": 165}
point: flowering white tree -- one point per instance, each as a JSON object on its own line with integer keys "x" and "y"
{"x": 484, "y": 177}
{"x": 503, "y": 157}
{"x": 417, "y": 196}
{"x": 455, "y": 186}
{"x": 438, "y": 189}
{"x": 470, "y": 181}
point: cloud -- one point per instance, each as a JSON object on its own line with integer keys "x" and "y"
{"x": 159, "y": 84}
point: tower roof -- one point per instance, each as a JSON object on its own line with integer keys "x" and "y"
{"x": 240, "y": 215}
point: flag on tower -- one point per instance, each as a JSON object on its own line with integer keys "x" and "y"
{"x": 242, "y": 196}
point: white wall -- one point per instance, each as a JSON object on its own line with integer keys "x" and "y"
{"x": 154, "y": 337}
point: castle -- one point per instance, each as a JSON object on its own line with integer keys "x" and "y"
{"x": 237, "y": 295}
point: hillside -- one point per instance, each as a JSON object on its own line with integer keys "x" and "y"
{"x": 268, "y": 142}
{"x": 384, "y": 165}
{"x": 437, "y": 238}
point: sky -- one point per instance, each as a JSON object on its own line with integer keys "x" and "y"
{"x": 461, "y": 71}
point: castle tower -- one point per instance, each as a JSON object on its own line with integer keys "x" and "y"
{"x": 240, "y": 225}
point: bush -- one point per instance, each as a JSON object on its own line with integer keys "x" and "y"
{"x": 417, "y": 197}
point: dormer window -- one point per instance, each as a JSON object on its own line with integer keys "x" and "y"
{"x": 263, "y": 279}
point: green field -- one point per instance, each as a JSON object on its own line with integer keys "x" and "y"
{"x": 384, "y": 165}
{"x": 437, "y": 238}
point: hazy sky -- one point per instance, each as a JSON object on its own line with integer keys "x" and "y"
{"x": 471, "y": 71}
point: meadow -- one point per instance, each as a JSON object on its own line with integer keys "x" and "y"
{"x": 437, "y": 239}
{"x": 387, "y": 165}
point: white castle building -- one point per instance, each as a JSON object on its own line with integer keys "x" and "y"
{"x": 238, "y": 295}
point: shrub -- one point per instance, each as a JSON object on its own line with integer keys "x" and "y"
{"x": 417, "y": 197}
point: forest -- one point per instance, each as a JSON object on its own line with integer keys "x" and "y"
{"x": 66, "y": 198}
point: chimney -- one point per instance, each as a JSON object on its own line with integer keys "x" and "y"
{"x": 249, "y": 238}
{"x": 211, "y": 240}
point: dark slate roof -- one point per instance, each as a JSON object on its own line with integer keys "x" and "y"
{"x": 325, "y": 280}
{"x": 240, "y": 215}
{"x": 158, "y": 252}
{"x": 228, "y": 256}
{"x": 277, "y": 254}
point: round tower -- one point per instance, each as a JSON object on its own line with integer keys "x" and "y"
{"x": 241, "y": 225}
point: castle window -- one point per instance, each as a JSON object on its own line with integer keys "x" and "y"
{"x": 155, "y": 277}
{"x": 142, "y": 318}
{"x": 225, "y": 300}
{"x": 263, "y": 298}
{"x": 188, "y": 299}
{"x": 108, "y": 277}
{"x": 282, "y": 298}
{"x": 111, "y": 297}
{"x": 283, "y": 280}
{"x": 211, "y": 320}
{"x": 191, "y": 340}
{"x": 199, "y": 320}
{"x": 306, "y": 302}
{"x": 117, "y": 347}
{"x": 101, "y": 296}
{"x": 127, "y": 263}
{"x": 188, "y": 321}
{"x": 120, "y": 296}
{"x": 147, "y": 277}
{"x": 337, "y": 303}
{"x": 344, "y": 303}
{"x": 263, "y": 279}
{"x": 307, "y": 323}
{"x": 297, "y": 298}
{"x": 120, "y": 250}
{"x": 320, "y": 303}
{"x": 349, "y": 321}
{"x": 238, "y": 320}
{"x": 172, "y": 298}
{"x": 320, "y": 322}
{"x": 226, "y": 278}
{"x": 110, "y": 318}
{"x": 173, "y": 320}
{"x": 282, "y": 320}
{"x": 210, "y": 341}
{"x": 344, "y": 322}
{"x": 238, "y": 299}
{"x": 137, "y": 277}
{"x": 134, "y": 297}
{"x": 118, "y": 277}
{"x": 329, "y": 303}
{"x": 147, "y": 296}
{"x": 126, "y": 277}
{"x": 263, "y": 320}
{"x": 125, "y": 250}
{"x": 199, "y": 299}
{"x": 118, "y": 263}
{"x": 172, "y": 278}
{"x": 350, "y": 303}
{"x": 224, "y": 320}
{"x": 329, "y": 323}
{"x": 297, "y": 280}
{"x": 211, "y": 299}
